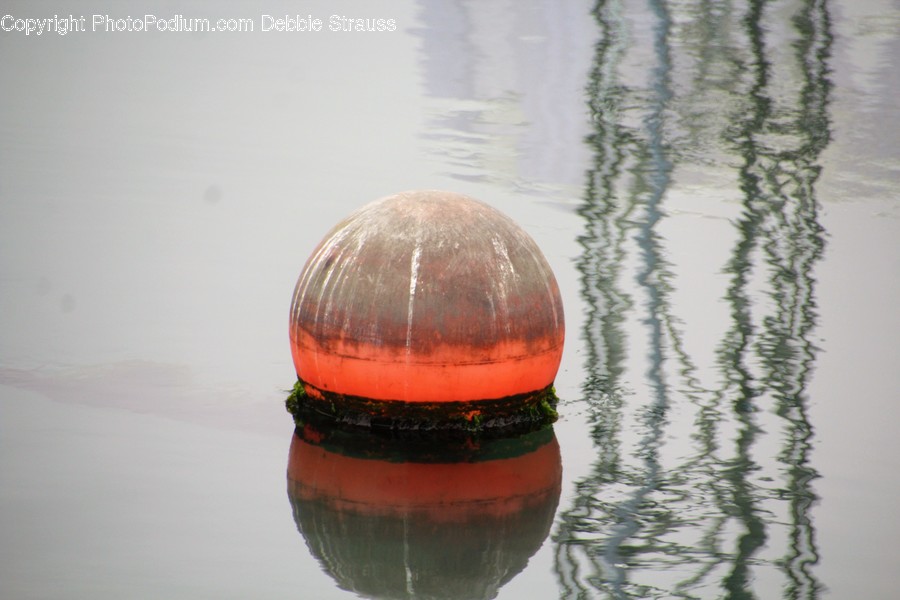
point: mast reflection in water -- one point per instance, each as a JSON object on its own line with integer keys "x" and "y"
{"x": 702, "y": 484}
{"x": 392, "y": 518}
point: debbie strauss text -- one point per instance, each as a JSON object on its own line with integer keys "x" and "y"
{"x": 302, "y": 23}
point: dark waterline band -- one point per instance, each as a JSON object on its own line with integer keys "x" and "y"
{"x": 510, "y": 415}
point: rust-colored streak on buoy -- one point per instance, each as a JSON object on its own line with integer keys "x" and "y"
{"x": 427, "y": 296}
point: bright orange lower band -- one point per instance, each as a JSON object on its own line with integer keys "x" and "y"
{"x": 383, "y": 374}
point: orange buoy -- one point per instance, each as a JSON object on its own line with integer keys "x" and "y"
{"x": 388, "y": 521}
{"x": 427, "y": 309}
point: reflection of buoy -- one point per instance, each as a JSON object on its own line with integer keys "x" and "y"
{"x": 427, "y": 309}
{"x": 387, "y": 528}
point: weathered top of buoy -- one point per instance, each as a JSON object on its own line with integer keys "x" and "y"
{"x": 427, "y": 296}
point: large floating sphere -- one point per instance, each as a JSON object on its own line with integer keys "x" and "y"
{"x": 423, "y": 298}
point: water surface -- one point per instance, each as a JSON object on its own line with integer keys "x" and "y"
{"x": 714, "y": 185}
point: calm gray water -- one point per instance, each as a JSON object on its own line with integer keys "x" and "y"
{"x": 715, "y": 185}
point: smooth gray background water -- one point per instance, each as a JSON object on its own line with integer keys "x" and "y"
{"x": 714, "y": 184}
